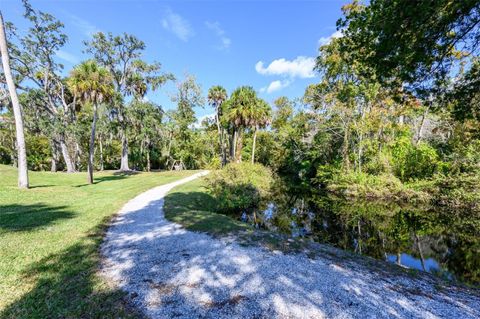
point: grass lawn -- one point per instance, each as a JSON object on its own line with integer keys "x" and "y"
{"x": 49, "y": 240}
{"x": 190, "y": 205}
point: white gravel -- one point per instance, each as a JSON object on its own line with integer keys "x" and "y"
{"x": 173, "y": 273}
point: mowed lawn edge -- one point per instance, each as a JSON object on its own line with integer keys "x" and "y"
{"x": 50, "y": 237}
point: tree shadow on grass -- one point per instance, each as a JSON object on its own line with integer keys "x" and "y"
{"x": 41, "y": 186}
{"x": 115, "y": 177}
{"x": 67, "y": 285}
{"x": 126, "y": 173}
{"x": 18, "y": 217}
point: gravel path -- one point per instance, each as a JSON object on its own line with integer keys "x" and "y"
{"x": 173, "y": 273}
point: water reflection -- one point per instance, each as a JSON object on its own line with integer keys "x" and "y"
{"x": 439, "y": 240}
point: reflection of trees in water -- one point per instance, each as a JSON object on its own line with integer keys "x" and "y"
{"x": 378, "y": 229}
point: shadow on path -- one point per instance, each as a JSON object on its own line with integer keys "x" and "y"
{"x": 172, "y": 272}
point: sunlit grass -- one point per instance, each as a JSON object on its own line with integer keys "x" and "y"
{"x": 49, "y": 240}
{"x": 191, "y": 206}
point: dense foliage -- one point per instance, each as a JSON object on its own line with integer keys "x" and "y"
{"x": 240, "y": 187}
{"x": 395, "y": 112}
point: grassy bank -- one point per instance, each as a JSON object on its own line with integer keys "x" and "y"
{"x": 49, "y": 240}
{"x": 191, "y": 206}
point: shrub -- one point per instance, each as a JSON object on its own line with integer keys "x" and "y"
{"x": 39, "y": 153}
{"x": 412, "y": 162}
{"x": 239, "y": 187}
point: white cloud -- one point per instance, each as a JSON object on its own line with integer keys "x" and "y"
{"x": 73, "y": 59}
{"x": 83, "y": 25}
{"x": 275, "y": 86}
{"x": 177, "y": 25}
{"x": 301, "y": 67}
{"x": 327, "y": 40}
{"x": 215, "y": 27}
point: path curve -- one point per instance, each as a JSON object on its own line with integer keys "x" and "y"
{"x": 173, "y": 273}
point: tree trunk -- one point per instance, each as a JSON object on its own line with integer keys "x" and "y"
{"x": 124, "y": 161}
{"x": 53, "y": 166}
{"x": 92, "y": 145}
{"x": 420, "y": 251}
{"x": 149, "y": 165}
{"x": 220, "y": 137}
{"x": 239, "y": 147}
{"x": 254, "y": 144}
{"x": 66, "y": 155}
{"x": 17, "y": 110}
{"x": 421, "y": 127}
{"x": 170, "y": 146}
{"x": 54, "y": 156}
{"x": 101, "y": 154}
{"x": 78, "y": 156}
{"x": 234, "y": 145}
{"x": 360, "y": 152}
{"x": 346, "y": 162}
{"x": 224, "y": 148}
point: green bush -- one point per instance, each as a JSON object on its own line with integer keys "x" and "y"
{"x": 412, "y": 162}
{"x": 38, "y": 153}
{"x": 239, "y": 187}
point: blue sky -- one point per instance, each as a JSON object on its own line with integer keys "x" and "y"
{"x": 270, "y": 45}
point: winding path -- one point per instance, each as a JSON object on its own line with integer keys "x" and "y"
{"x": 173, "y": 273}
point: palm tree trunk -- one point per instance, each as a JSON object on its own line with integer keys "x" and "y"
{"x": 234, "y": 145}
{"x": 238, "y": 155}
{"x": 224, "y": 147}
{"x": 254, "y": 143}
{"x": 92, "y": 145}
{"x": 220, "y": 139}
{"x": 124, "y": 161}
{"x": 17, "y": 110}
{"x": 101, "y": 154}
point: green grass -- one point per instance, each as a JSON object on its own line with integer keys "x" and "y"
{"x": 49, "y": 242}
{"x": 191, "y": 206}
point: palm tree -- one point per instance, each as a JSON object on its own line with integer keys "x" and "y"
{"x": 260, "y": 118}
{"x": 216, "y": 96}
{"x": 93, "y": 84}
{"x": 17, "y": 110}
{"x": 239, "y": 110}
